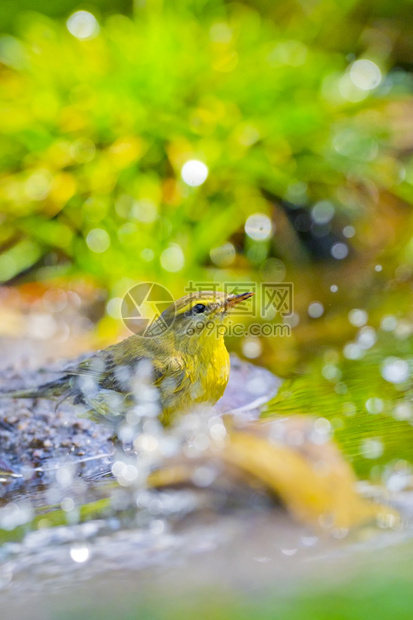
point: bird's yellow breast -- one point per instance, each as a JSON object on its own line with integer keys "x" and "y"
{"x": 202, "y": 379}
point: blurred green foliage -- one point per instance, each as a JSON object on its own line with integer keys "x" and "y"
{"x": 95, "y": 131}
{"x": 12, "y": 9}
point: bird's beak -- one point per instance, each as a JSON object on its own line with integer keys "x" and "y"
{"x": 233, "y": 300}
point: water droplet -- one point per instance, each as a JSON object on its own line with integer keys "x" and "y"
{"x": 403, "y": 411}
{"x": 374, "y": 405}
{"x": 203, "y": 476}
{"x": 353, "y": 351}
{"x": 372, "y": 448}
{"x": 388, "y": 323}
{"x": 366, "y": 337}
{"x": 79, "y": 553}
{"x": 395, "y": 370}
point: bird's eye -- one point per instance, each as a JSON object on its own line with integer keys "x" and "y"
{"x": 198, "y": 309}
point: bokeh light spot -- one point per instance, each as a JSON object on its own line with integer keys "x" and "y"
{"x": 113, "y": 307}
{"x": 315, "y": 310}
{"x": 194, "y": 172}
{"x": 172, "y": 259}
{"x": 98, "y": 240}
{"x": 79, "y": 553}
{"x": 372, "y": 448}
{"x": 322, "y": 212}
{"x": 223, "y": 255}
{"x": 349, "y": 231}
{"x": 252, "y": 347}
{"x": 357, "y": 317}
{"x": 339, "y": 251}
{"x": 395, "y": 370}
{"x": 365, "y": 74}
{"x": 83, "y": 25}
{"x": 258, "y": 227}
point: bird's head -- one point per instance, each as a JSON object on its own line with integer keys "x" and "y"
{"x": 200, "y": 314}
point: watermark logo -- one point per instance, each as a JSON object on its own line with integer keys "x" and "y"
{"x": 276, "y": 298}
{"x": 142, "y": 309}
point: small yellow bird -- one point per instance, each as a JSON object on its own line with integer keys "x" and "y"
{"x": 188, "y": 364}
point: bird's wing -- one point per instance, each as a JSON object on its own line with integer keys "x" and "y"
{"x": 111, "y": 375}
{"x": 173, "y": 375}
{"x": 97, "y": 367}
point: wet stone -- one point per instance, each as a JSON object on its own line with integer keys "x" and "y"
{"x": 37, "y": 431}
